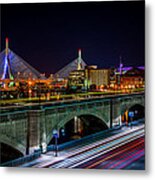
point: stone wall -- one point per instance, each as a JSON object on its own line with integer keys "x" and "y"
{"x": 27, "y": 131}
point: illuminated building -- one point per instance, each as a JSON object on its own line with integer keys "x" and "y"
{"x": 97, "y": 77}
{"x": 90, "y": 78}
{"x": 133, "y": 78}
{"x": 76, "y": 80}
{"x": 113, "y": 77}
{"x": 130, "y": 77}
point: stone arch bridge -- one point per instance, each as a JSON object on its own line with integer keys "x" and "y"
{"x": 28, "y": 130}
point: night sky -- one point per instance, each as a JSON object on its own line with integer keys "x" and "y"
{"x": 48, "y": 35}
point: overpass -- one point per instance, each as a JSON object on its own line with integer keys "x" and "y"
{"x": 28, "y": 129}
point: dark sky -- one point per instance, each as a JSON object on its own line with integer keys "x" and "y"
{"x": 48, "y": 35}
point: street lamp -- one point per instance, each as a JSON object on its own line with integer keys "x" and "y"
{"x": 131, "y": 115}
{"x": 56, "y": 136}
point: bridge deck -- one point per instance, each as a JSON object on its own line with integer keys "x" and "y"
{"x": 10, "y": 109}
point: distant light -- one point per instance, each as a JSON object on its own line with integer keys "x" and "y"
{"x": 131, "y": 114}
{"x": 7, "y": 39}
{"x": 30, "y": 82}
{"x": 136, "y": 112}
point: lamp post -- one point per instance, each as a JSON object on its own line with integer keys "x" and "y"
{"x": 131, "y": 115}
{"x": 56, "y": 136}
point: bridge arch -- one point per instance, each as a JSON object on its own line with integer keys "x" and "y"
{"x": 8, "y": 153}
{"x": 13, "y": 143}
{"x": 69, "y": 118}
{"x": 128, "y": 107}
{"x": 137, "y": 110}
{"x": 128, "y": 104}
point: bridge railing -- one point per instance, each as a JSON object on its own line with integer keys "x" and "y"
{"x": 22, "y": 160}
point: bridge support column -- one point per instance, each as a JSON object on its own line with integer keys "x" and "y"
{"x": 126, "y": 117}
{"x": 43, "y": 137}
{"x": 35, "y": 117}
{"x": 111, "y": 113}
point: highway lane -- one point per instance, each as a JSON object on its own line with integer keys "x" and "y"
{"x": 75, "y": 158}
{"x": 94, "y": 153}
{"x": 119, "y": 157}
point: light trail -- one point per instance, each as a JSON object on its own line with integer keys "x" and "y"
{"x": 109, "y": 154}
{"x": 113, "y": 155}
{"x": 118, "y": 159}
{"x": 86, "y": 159}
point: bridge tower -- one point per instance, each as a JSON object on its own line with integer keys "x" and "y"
{"x": 120, "y": 65}
{"x": 7, "y": 72}
{"x": 79, "y": 66}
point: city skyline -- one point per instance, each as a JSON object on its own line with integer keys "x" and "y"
{"x": 99, "y": 30}
{"x": 72, "y": 85}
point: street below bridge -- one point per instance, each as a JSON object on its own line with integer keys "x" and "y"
{"x": 121, "y": 148}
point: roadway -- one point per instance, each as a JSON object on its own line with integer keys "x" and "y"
{"x": 124, "y": 147}
{"x": 30, "y": 103}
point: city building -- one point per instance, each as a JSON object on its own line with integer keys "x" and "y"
{"x": 128, "y": 78}
{"x": 133, "y": 78}
{"x": 97, "y": 78}
{"x": 90, "y": 78}
{"x": 76, "y": 80}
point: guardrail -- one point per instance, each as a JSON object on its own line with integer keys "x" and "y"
{"x": 21, "y": 160}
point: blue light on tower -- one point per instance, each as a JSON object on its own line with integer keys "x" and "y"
{"x": 6, "y": 58}
{"x": 5, "y": 67}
